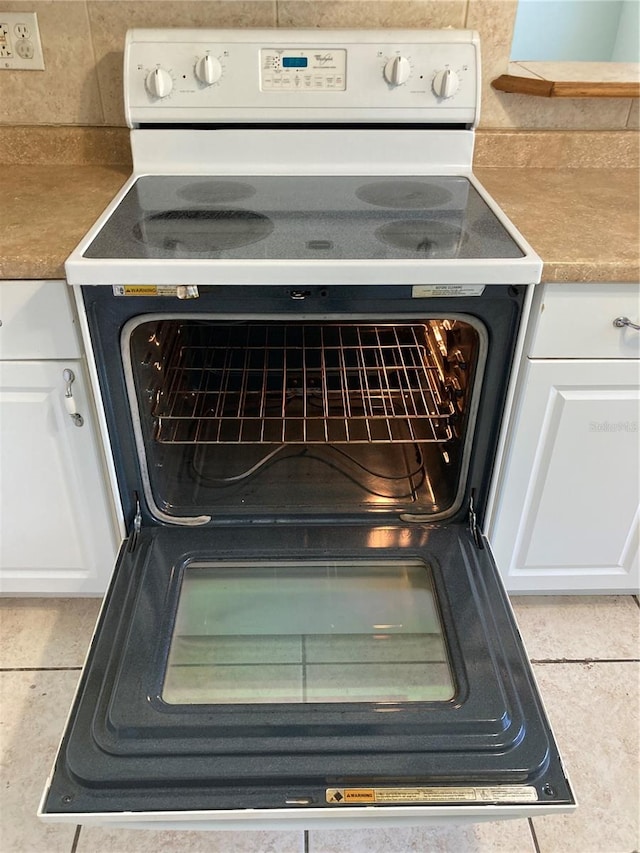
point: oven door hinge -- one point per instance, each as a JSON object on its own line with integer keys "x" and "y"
{"x": 476, "y": 532}
{"x": 136, "y": 526}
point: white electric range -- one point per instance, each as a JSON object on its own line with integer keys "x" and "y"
{"x": 302, "y": 312}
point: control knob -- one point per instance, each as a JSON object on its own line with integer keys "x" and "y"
{"x": 208, "y": 70}
{"x": 397, "y": 70}
{"x": 445, "y": 83}
{"x": 159, "y": 83}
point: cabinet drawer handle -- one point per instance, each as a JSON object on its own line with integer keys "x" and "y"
{"x": 69, "y": 400}
{"x": 621, "y": 322}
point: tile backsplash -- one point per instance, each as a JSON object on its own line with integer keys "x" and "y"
{"x": 83, "y": 42}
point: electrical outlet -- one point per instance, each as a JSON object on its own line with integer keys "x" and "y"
{"x": 20, "y": 46}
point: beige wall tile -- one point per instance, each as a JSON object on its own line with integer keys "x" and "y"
{"x": 37, "y": 145}
{"x": 66, "y": 92}
{"x": 585, "y": 72}
{"x": 520, "y": 70}
{"x": 547, "y": 149}
{"x": 110, "y": 19}
{"x": 494, "y": 20}
{"x": 608, "y": 149}
{"x": 525, "y": 111}
{"x": 517, "y": 149}
{"x": 83, "y": 45}
{"x": 386, "y": 14}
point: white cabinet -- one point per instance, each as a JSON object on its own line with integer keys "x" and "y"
{"x": 37, "y": 321}
{"x": 57, "y": 528}
{"x": 567, "y": 513}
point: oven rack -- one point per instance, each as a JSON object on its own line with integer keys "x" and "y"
{"x": 302, "y": 384}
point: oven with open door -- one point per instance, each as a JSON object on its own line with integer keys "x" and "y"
{"x": 305, "y": 623}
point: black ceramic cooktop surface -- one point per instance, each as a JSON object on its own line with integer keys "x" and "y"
{"x": 300, "y": 217}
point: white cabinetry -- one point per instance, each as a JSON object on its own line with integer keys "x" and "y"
{"x": 57, "y": 527}
{"x": 567, "y": 513}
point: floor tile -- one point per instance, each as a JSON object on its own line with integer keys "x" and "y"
{"x": 579, "y": 627}
{"x": 379, "y": 682}
{"x": 374, "y": 648}
{"x": 236, "y": 685}
{"x": 33, "y": 708}
{"x": 46, "y": 632}
{"x": 512, "y": 836}
{"x": 98, "y": 840}
{"x": 594, "y": 711}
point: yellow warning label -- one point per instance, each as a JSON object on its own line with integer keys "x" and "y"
{"x": 144, "y": 290}
{"x": 351, "y": 795}
{"x": 140, "y": 290}
{"x": 444, "y": 794}
{"x": 359, "y": 795}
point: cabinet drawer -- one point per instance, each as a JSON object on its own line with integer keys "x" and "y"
{"x": 576, "y": 321}
{"x": 37, "y": 321}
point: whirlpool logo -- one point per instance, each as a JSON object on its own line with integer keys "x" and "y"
{"x": 613, "y": 426}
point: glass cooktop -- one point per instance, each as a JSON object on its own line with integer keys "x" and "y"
{"x": 299, "y": 217}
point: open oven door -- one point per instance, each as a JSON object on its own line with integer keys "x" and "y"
{"x": 308, "y": 673}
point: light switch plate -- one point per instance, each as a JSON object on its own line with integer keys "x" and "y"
{"x": 20, "y": 46}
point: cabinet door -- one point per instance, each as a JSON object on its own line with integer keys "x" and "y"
{"x": 567, "y": 517}
{"x": 57, "y": 534}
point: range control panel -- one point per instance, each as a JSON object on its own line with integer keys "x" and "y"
{"x": 301, "y": 76}
{"x": 303, "y": 69}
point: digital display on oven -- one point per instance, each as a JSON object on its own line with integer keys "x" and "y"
{"x": 294, "y": 61}
{"x": 298, "y": 70}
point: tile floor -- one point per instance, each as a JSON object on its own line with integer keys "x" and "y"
{"x": 586, "y": 656}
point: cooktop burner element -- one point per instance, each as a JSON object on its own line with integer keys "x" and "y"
{"x": 404, "y": 195}
{"x": 430, "y": 238}
{"x": 202, "y": 231}
{"x": 216, "y": 192}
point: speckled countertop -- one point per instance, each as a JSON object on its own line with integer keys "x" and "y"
{"x": 583, "y": 222}
{"x": 46, "y": 210}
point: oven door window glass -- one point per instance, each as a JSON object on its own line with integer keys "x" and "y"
{"x": 308, "y": 632}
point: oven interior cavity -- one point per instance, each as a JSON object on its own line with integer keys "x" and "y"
{"x": 250, "y": 417}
